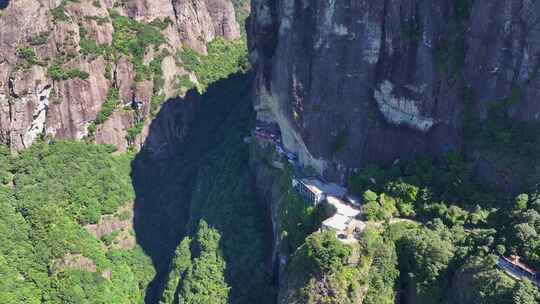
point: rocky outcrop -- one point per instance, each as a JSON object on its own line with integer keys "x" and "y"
{"x": 78, "y": 38}
{"x": 23, "y": 106}
{"x": 202, "y": 21}
{"x": 356, "y": 82}
{"x": 115, "y": 230}
{"x": 74, "y": 261}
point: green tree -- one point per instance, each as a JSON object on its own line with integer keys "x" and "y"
{"x": 382, "y": 275}
{"x": 525, "y": 293}
{"x": 180, "y": 265}
{"x": 500, "y": 249}
{"x": 53, "y": 190}
{"x": 205, "y": 283}
{"x": 424, "y": 257}
{"x": 326, "y": 252}
{"x": 521, "y": 201}
{"x": 370, "y": 196}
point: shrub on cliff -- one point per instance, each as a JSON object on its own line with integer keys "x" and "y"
{"x": 56, "y": 72}
{"x": 39, "y": 39}
{"x": 28, "y": 54}
{"x": 89, "y": 47}
{"x": 59, "y": 13}
{"x": 132, "y": 39}
{"x": 190, "y": 59}
{"x": 107, "y": 108}
{"x": 134, "y": 131}
{"x": 204, "y": 282}
{"x": 180, "y": 266}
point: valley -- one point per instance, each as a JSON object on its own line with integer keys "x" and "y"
{"x": 269, "y": 151}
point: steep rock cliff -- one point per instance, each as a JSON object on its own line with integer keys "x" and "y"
{"x": 355, "y": 82}
{"x": 62, "y": 61}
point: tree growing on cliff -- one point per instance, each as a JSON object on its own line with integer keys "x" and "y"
{"x": 205, "y": 283}
{"x": 180, "y": 265}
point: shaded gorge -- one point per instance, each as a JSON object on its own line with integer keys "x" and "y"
{"x": 193, "y": 167}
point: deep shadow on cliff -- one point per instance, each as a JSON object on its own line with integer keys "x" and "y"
{"x": 362, "y": 82}
{"x": 4, "y": 4}
{"x": 193, "y": 143}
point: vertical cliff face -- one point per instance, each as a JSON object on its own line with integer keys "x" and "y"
{"x": 354, "y": 82}
{"x": 61, "y": 61}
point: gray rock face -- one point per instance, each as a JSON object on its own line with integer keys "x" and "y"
{"x": 355, "y": 82}
{"x": 200, "y": 21}
{"x": 32, "y": 104}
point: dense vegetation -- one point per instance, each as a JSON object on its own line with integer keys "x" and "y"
{"x": 200, "y": 280}
{"x": 444, "y": 249}
{"x": 108, "y": 106}
{"x": 54, "y": 192}
{"x": 297, "y": 217}
{"x": 132, "y": 38}
{"x": 47, "y": 195}
{"x": 223, "y": 58}
{"x": 324, "y": 270}
{"x": 466, "y": 225}
{"x": 56, "y": 72}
